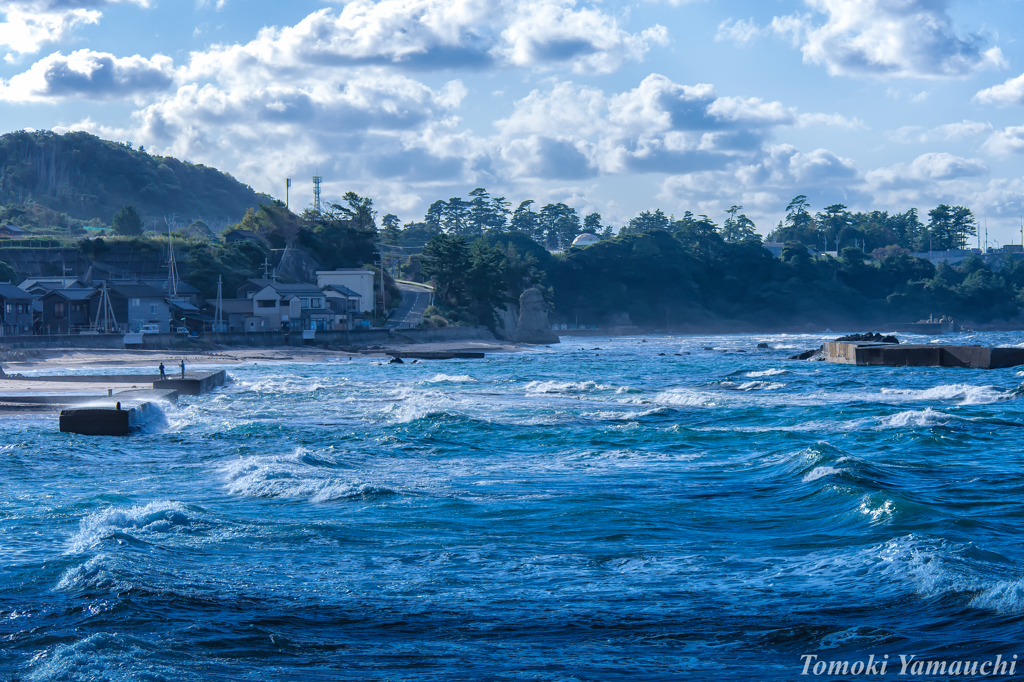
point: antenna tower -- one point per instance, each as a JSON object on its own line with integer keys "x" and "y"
{"x": 316, "y": 193}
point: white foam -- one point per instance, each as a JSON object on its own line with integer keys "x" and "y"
{"x": 445, "y": 378}
{"x": 1006, "y": 597}
{"x": 155, "y": 517}
{"x": 965, "y": 394}
{"x": 821, "y": 472}
{"x": 774, "y": 372}
{"x": 566, "y": 387}
{"x": 915, "y": 419}
{"x": 760, "y": 386}
{"x": 684, "y": 397}
{"x": 292, "y": 477}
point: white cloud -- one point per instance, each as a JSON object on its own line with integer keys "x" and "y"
{"x": 907, "y": 38}
{"x": 739, "y": 31}
{"x": 831, "y": 120}
{"x": 89, "y": 75}
{"x": 29, "y": 25}
{"x": 1010, "y": 92}
{"x": 949, "y": 132}
{"x": 1005, "y": 142}
{"x": 924, "y": 170}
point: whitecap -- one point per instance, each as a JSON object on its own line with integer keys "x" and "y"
{"x": 965, "y": 394}
{"x": 774, "y": 372}
{"x": 155, "y": 517}
{"x": 565, "y": 387}
{"x": 915, "y": 419}
{"x": 445, "y": 378}
{"x": 682, "y": 397}
{"x": 821, "y": 472}
{"x": 293, "y": 477}
{"x": 760, "y": 386}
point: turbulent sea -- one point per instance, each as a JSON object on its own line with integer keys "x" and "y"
{"x": 606, "y": 509}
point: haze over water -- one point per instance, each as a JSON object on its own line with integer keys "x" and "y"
{"x": 596, "y": 511}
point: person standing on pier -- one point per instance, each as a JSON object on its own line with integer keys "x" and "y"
{"x": 163, "y": 372}
{"x": 183, "y": 368}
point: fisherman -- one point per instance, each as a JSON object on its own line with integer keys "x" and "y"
{"x": 163, "y": 372}
{"x": 183, "y": 368}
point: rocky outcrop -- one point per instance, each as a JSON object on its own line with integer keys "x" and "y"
{"x": 533, "y": 325}
{"x": 298, "y": 265}
{"x": 508, "y": 322}
{"x": 870, "y": 336}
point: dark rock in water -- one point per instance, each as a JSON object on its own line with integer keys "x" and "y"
{"x": 870, "y": 337}
{"x": 396, "y": 361}
{"x": 660, "y": 354}
{"x": 708, "y": 348}
{"x": 813, "y": 354}
{"x": 763, "y": 345}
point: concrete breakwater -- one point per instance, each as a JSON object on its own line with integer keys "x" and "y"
{"x": 921, "y": 355}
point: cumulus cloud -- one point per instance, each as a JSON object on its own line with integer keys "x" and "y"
{"x": 906, "y": 38}
{"x": 29, "y": 25}
{"x": 1010, "y": 92}
{"x": 88, "y": 74}
{"x": 431, "y": 34}
{"x": 1005, "y": 142}
{"x": 925, "y": 169}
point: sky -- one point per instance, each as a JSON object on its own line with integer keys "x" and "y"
{"x": 615, "y": 107}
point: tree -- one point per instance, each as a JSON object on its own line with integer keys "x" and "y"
{"x": 962, "y": 226}
{"x": 940, "y": 228}
{"x": 358, "y": 211}
{"x": 526, "y": 221}
{"x": 647, "y": 221}
{"x": 445, "y": 259}
{"x": 7, "y": 273}
{"x": 560, "y": 224}
{"x": 834, "y": 223}
{"x": 799, "y": 225}
{"x": 455, "y": 218}
{"x": 592, "y": 223}
{"x": 391, "y": 230}
{"x": 485, "y": 281}
{"x": 737, "y": 226}
{"x": 128, "y": 222}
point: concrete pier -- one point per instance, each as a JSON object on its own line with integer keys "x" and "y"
{"x": 119, "y": 415}
{"x": 194, "y": 383}
{"x": 921, "y": 355}
{"x": 435, "y": 355}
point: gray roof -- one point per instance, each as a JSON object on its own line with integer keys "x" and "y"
{"x": 15, "y": 293}
{"x": 164, "y": 285}
{"x": 185, "y": 306}
{"x": 282, "y": 288}
{"x": 342, "y": 289}
{"x": 73, "y": 294}
{"x": 135, "y": 290}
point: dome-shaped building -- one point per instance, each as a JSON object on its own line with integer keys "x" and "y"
{"x": 586, "y": 239}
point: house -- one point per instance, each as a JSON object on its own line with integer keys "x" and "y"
{"x": 15, "y": 310}
{"x": 11, "y": 231}
{"x": 290, "y": 307}
{"x": 775, "y": 248}
{"x": 344, "y": 303}
{"x": 235, "y": 312}
{"x": 357, "y": 280}
{"x": 66, "y": 311}
{"x": 185, "y": 292}
{"x": 136, "y": 304}
{"x": 42, "y": 285}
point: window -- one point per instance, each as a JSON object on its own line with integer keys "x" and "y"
{"x": 136, "y": 302}
{"x": 317, "y": 302}
{"x": 305, "y": 303}
{"x": 266, "y": 304}
{"x": 152, "y": 309}
{"x": 9, "y": 308}
{"x": 58, "y": 309}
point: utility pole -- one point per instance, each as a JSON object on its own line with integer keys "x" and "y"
{"x": 218, "y": 318}
{"x": 266, "y": 269}
{"x": 287, "y": 190}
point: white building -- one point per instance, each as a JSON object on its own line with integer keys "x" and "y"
{"x": 585, "y": 239}
{"x": 356, "y": 279}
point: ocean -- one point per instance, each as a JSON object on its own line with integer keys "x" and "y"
{"x": 635, "y": 508}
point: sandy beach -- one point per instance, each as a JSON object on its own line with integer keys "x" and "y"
{"x": 145, "y": 363}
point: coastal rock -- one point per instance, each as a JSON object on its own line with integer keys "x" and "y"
{"x": 763, "y": 346}
{"x": 813, "y": 355}
{"x": 297, "y": 265}
{"x": 870, "y": 336}
{"x": 508, "y": 321}
{"x": 533, "y": 325}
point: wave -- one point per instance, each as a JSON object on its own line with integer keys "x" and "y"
{"x": 155, "y": 517}
{"x": 821, "y": 472}
{"x": 445, "y": 378}
{"x": 767, "y": 373}
{"x": 296, "y": 476}
{"x": 965, "y": 394}
{"x": 566, "y": 387}
{"x": 760, "y": 386}
{"x": 684, "y": 397}
{"x": 918, "y": 419}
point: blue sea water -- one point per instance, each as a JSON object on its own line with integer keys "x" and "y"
{"x": 648, "y": 508}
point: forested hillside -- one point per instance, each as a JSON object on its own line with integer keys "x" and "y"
{"x": 85, "y": 178}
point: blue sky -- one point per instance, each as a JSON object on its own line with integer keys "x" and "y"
{"x": 609, "y": 106}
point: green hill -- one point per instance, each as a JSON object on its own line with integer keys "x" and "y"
{"x": 90, "y": 179}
